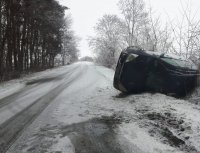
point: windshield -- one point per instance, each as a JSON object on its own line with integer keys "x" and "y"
{"x": 180, "y": 63}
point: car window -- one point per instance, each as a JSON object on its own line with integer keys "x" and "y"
{"x": 180, "y": 63}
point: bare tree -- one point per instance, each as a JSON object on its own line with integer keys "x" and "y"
{"x": 158, "y": 37}
{"x": 135, "y": 17}
{"x": 186, "y": 32}
{"x": 109, "y": 39}
{"x": 70, "y": 51}
{"x": 142, "y": 28}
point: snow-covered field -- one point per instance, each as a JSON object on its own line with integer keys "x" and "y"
{"x": 89, "y": 115}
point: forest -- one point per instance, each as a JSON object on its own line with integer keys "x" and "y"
{"x": 32, "y": 33}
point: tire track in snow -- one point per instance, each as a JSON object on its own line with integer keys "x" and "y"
{"x": 30, "y": 86}
{"x": 11, "y": 129}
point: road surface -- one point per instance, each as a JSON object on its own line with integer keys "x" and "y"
{"x": 19, "y": 110}
{"x": 76, "y": 110}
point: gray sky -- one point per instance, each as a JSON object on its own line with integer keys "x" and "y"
{"x": 85, "y": 14}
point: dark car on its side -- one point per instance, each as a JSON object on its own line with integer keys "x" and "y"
{"x": 140, "y": 71}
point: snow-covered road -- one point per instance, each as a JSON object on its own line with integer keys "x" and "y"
{"x": 75, "y": 109}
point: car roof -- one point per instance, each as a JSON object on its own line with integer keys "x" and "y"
{"x": 157, "y": 54}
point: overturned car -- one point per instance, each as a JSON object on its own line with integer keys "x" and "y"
{"x": 140, "y": 71}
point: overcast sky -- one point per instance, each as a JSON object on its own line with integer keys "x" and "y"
{"x": 85, "y": 14}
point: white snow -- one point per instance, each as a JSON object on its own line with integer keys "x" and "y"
{"x": 137, "y": 136}
{"x": 21, "y": 103}
{"x": 63, "y": 145}
{"x": 9, "y": 88}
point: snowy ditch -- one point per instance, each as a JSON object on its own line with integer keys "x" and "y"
{"x": 169, "y": 128}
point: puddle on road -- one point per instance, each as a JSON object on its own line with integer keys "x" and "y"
{"x": 93, "y": 136}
